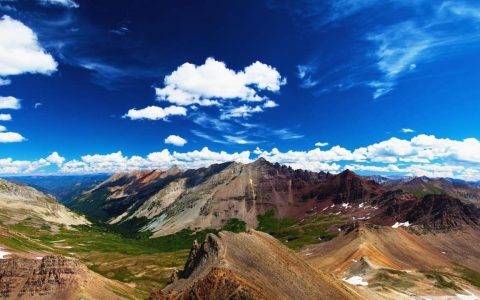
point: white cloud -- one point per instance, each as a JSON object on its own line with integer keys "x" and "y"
{"x": 238, "y": 140}
{"x": 20, "y": 51}
{"x": 305, "y": 73}
{"x": 407, "y": 130}
{"x": 11, "y": 166}
{"x": 270, "y": 104}
{"x": 243, "y": 111}
{"x": 399, "y": 47}
{"x": 461, "y": 9}
{"x": 212, "y": 82}
{"x": 116, "y": 162}
{"x": 55, "y": 158}
{"x": 314, "y": 160}
{"x": 10, "y": 137}
{"x": 321, "y": 144}
{"x": 155, "y": 113}
{"x": 175, "y": 140}
{"x": 422, "y": 155}
{"x": 5, "y": 117}
{"x": 65, "y": 3}
{"x": 5, "y": 81}
{"x": 9, "y": 103}
{"x": 286, "y": 134}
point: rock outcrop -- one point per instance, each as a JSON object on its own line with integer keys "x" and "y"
{"x": 54, "y": 277}
{"x": 250, "y": 265}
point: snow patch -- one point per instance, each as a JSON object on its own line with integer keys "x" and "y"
{"x": 3, "y": 254}
{"x": 399, "y": 224}
{"x": 361, "y": 205}
{"x": 355, "y": 280}
{"x": 346, "y": 205}
{"x": 470, "y": 296}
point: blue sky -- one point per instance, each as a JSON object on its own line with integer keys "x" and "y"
{"x": 388, "y": 87}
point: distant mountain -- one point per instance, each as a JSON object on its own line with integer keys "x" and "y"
{"x": 20, "y": 202}
{"x": 432, "y": 212}
{"x": 64, "y": 187}
{"x": 420, "y": 186}
{"x": 165, "y": 202}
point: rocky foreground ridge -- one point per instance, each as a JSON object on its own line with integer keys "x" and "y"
{"x": 236, "y": 266}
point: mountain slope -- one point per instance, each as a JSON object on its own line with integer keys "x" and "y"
{"x": 165, "y": 202}
{"x": 64, "y": 187}
{"x": 235, "y": 266}
{"x": 421, "y": 186}
{"x": 431, "y": 212}
{"x": 396, "y": 262}
{"x": 19, "y": 202}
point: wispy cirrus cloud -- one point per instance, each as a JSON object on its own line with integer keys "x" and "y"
{"x": 425, "y": 32}
{"x": 64, "y": 3}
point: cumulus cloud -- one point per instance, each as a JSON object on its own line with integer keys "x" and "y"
{"x": 55, "y": 158}
{"x": 5, "y": 117}
{"x": 20, "y": 51}
{"x": 9, "y": 103}
{"x": 422, "y": 155}
{"x": 270, "y": 104}
{"x": 115, "y": 162}
{"x": 175, "y": 140}
{"x": 155, "y": 112}
{"x": 10, "y": 137}
{"x": 11, "y": 166}
{"x": 213, "y": 81}
{"x": 5, "y": 81}
{"x": 64, "y": 3}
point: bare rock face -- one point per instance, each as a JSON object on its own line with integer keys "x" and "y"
{"x": 468, "y": 192}
{"x": 250, "y": 265}
{"x": 431, "y": 212}
{"x": 52, "y": 277}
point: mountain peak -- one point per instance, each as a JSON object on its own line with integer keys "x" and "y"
{"x": 261, "y": 162}
{"x": 348, "y": 173}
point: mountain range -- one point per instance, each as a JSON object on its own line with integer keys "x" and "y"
{"x": 243, "y": 231}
